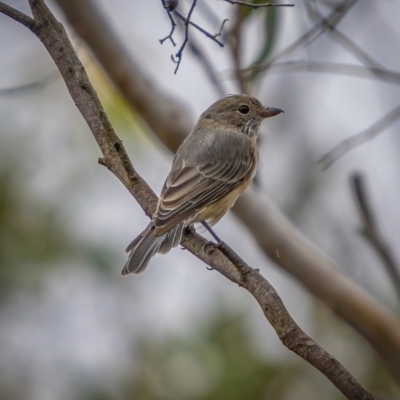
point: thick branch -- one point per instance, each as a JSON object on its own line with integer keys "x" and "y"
{"x": 270, "y": 228}
{"x": 54, "y": 38}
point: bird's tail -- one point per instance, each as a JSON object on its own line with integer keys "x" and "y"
{"x": 147, "y": 244}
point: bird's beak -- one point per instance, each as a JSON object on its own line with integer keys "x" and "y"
{"x": 270, "y": 112}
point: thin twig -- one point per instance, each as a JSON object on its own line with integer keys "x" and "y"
{"x": 350, "y": 143}
{"x": 179, "y": 54}
{"x": 173, "y": 25}
{"x": 371, "y": 231}
{"x": 187, "y": 22}
{"x": 344, "y": 40}
{"x": 338, "y": 68}
{"x": 210, "y": 14}
{"x": 199, "y": 28}
{"x": 219, "y": 33}
{"x": 29, "y": 87}
{"x": 16, "y": 15}
{"x": 308, "y": 37}
{"x": 255, "y": 6}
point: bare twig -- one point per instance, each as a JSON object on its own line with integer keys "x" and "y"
{"x": 346, "y": 145}
{"x": 308, "y": 37}
{"x": 188, "y": 22}
{"x": 344, "y": 40}
{"x": 199, "y": 28}
{"x": 179, "y": 54}
{"x": 54, "y": 38}
{"x": 168, "y": 119}
{"x": 359, "y": 71}
{"x": 29, "y": 87}
{"x": 372, "y": 233}
{"x": 16, "y": 15}
{"x": 255, "y": 6}
{"x": 219, "y": 33}
{"x": 209, "y": 13}
{"x": 173, "y": 25}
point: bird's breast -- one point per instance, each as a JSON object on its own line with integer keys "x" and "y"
{"x": 213, "y": 212}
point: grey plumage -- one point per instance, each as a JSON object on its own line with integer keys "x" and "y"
{"x": 211, "y": 168}
{"x": 147, "y": 244}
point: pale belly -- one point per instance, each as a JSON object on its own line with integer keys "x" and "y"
{"x": 215, "y": 211}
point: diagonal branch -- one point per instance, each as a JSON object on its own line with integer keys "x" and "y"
{"x": 308, "y": 37}
{"x": 179, "y": 54}
{"x": 16, "y": 15}
{"x": 29, "y": 87}
{"x": 54, "y": 38}
{"x": 255, "y": 6}
{"x": 199, "y": 28}
{"x": 385, "y": 75}
{"x": 168, "y": 119}
{"x": 371, "y": 231}
{"x": 344, "y": 40}
{"x": 360, "y": 138}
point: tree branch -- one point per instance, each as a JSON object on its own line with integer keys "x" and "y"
{"x": 308, "y": 37}
{"x": 344, "y": 40}
{"x": 371, "y": 231}
{"x": 255, "y": 6}
{"x": 179, "y": 54}
{"x": 358, "y": 71}
{"x": 16, "y": 15}
{"x": 171, "y": 7}
{"x": 199, "y": 28}
{"x": 54, "y": 38}
{"x": 173, "y": 23}
{"x": 168, "y": 120}
{"x": 360, "y": 138}
{"x": 29, "y": 87}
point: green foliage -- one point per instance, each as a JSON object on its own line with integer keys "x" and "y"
{"x": 214, "y": 364}
{"x": 269, "y": 35}
{"x": 29, "y": 235}
{"x": 33, "y": 237}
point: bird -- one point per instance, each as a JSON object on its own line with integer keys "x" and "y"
{"x": 215, "y": 163}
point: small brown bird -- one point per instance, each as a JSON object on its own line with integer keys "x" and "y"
{"x": 212, "y": 167}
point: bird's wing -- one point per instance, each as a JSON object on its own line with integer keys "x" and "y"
{"x": 205, "y": 169}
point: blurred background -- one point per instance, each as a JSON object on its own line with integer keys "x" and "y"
{"x": 71, "y": 327}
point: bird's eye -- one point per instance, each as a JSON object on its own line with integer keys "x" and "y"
{"x": 244, "y": 109}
